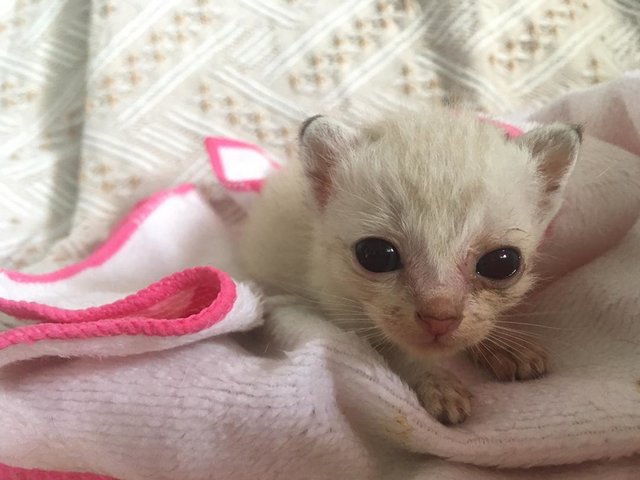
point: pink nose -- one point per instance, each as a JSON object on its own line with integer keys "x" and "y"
{"x": 437, "y": 326}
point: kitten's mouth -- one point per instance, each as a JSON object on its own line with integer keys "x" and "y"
{"x": 441, "y": 341}
{"x": 441, "y": 345}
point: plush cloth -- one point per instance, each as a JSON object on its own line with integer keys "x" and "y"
{"x": 149, "y": 359}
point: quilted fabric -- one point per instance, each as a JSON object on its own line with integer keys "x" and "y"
{"x": 103, "y": 102}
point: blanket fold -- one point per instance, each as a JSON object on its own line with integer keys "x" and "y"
{"x": 152, "y": 357}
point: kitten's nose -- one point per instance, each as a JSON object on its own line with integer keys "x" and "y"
{"x": 437, "y": 326}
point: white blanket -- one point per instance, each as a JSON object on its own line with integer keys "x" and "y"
{"x": 157, "y": 386}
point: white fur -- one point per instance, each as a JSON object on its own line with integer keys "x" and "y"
{"x": 443, "y": 187}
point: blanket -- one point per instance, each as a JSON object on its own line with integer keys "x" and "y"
{"x": 154, "y": 357}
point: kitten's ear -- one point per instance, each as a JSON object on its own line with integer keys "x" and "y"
{"x": 554, "y": 149}
{"x": 323, "y": 143}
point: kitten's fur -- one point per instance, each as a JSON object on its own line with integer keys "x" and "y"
{"x": 445, "y": 188}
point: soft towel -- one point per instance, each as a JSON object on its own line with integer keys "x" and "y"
{"x": 150, "y": 358}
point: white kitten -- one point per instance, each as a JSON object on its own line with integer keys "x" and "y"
{"x": 417, "y": 231}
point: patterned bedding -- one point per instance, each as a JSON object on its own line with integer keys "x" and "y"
{"x": 103, "y": 102}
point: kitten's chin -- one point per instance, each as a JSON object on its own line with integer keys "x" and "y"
{"x": 434, "y": 347}
{"x": 426, "y": 346}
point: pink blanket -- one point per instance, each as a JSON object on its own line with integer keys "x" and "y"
{"x": 150, "y": 358}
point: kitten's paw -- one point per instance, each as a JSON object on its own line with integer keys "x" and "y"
{"x": 445, "y": 398}
{"x": 526, "y": 362}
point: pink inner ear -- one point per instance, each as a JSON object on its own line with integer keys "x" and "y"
{"x": 321, "y": 186}
{"x": 510, "y": 130}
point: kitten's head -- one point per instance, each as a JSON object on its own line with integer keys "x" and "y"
{"x": 429, "y": 223}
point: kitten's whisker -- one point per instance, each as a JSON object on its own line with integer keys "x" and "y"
{"x": 349, "y": 316}
{"x": 376, "y": 340}
{"x": 537, "y": 325}
{"x": 386, "y": 344}
{"x": 536, "y": 312}
{"x": 304, "y": 294}
{"x": 482, "y": 348}
{"x": 509, "y": 336}
{"x": 502, "y": 343}
{"x": 335, "y": 307}
{"x": 369, "y": 328}
{"x": 565, "y": 344}
{"x": 517, "y": 332}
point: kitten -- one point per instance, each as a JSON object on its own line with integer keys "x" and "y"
{"x": 417, "y": 231}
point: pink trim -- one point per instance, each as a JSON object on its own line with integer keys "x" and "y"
{"x": 213, "y": 145}
{"x": 180, "y": 304}
{"x": 511, "y": 130}
{"x": 183, "y": 303}
{"x": 15, "y": 473}
{"x": 114, "y": 243}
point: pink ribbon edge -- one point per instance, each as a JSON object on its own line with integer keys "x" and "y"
{"x": 218, "y": 292}
{"x": 213, "y": 146}
{"x": 214, "y": 288}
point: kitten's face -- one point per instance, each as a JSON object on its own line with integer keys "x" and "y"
{"x": 431, "y": 240}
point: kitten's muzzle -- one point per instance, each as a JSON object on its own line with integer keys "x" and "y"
{"x": 437, "y": 327}
{"x": 440, "y": 314}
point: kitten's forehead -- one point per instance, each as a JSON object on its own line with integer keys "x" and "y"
{"x": 436, "y": 184}
{"x": 435, "y": 144}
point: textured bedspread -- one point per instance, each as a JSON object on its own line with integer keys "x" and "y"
{"x": 102, "y": 102}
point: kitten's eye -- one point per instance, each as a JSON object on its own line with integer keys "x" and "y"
{"x": 499, "y": 264}
{"x": 377, "y": 255}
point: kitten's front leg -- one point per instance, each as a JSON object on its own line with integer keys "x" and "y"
{"x": 511, "y": 359}
{"x": 439, "y": 391}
